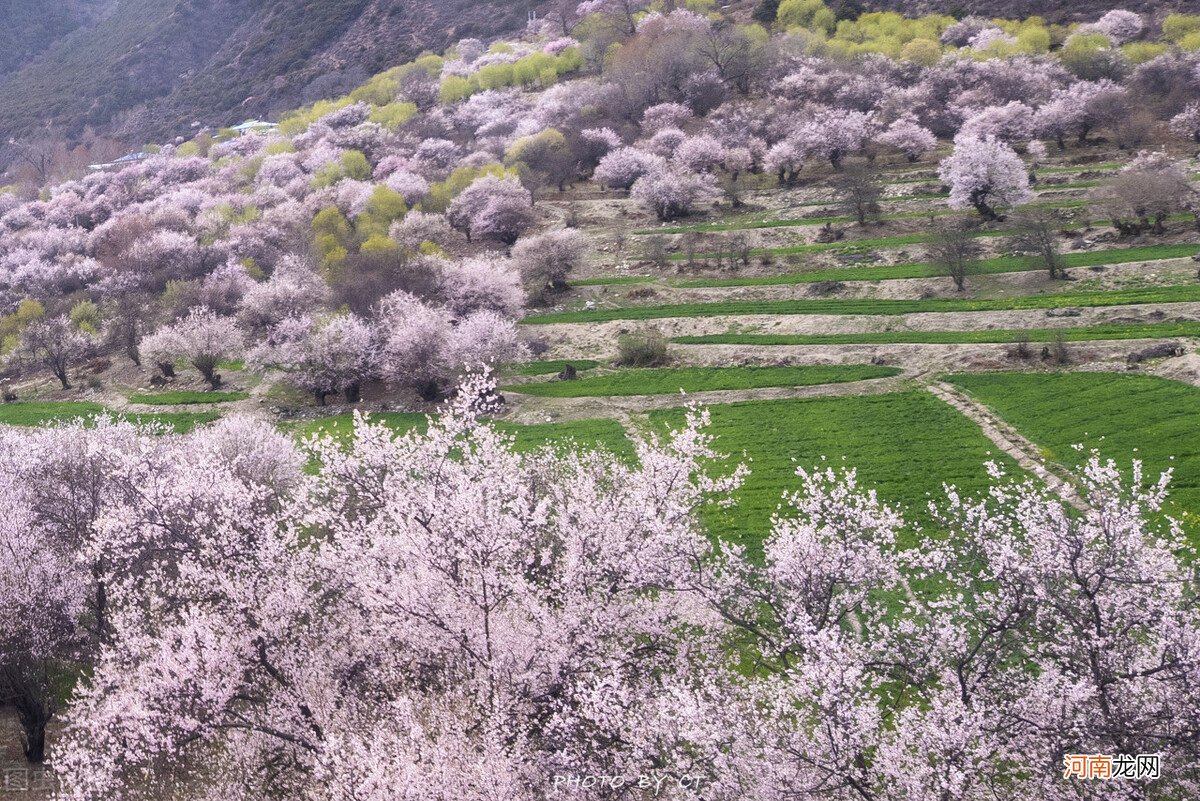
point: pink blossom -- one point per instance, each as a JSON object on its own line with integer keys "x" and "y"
{"x": 984, "y": 174}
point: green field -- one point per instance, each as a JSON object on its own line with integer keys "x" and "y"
{"x": 50, "y": 413}
{"x": 1000, "y": 264}
{"x": 905, "y": 445}
{"x": 1052, "y": 300}
{"x": 997, "y": 336}
{"x": 552, "y": 366}
{"x": 184, "y": 398}
{"x": 1124, "y": 416}
{"x": 670, "y": 380}
{"x": 607, "y": 434}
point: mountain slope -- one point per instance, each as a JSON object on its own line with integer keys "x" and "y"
{"x": 147, "y": 68}
{"x": 32, "y": 26}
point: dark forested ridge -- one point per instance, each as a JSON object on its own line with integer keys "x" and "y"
{"x": 148, "y": 68}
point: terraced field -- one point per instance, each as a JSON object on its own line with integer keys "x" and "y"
{"x": 907, "y": 444}
{"x": 990, "y": 336}
{"x": 1056, "y": 300}
{"x": 35, "y": 414}
{"x": 1124, "y": 298}
{"x": 665, "y": 381}
{"x": 1122, "y": 416}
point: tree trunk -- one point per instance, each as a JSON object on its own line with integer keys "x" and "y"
{"x": 986, "y": 211}
{"x": 210, "y": 375}
{"x": 34, "y": 715}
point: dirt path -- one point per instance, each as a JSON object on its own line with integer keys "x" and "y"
{"x": 1010, "y": 441}
{"x": 534, "y": 409}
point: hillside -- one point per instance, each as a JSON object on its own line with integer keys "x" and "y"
{"x": 651, "y": 405}
{"x": 32, "y": 26}
{"x": 149, "y": 68}
{"x": 1053, "y": 10}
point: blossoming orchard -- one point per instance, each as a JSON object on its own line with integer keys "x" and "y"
{"x": 666, "y": 400}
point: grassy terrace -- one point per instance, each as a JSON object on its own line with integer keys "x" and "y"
{"x": 904, "y": 444}
{"x": 999, "y": 264}
{"x": 1056, "y": 300}
{"x": 552, "y": 366}
{"x": 992, "y": 266}
{"x": 1001, "y": 336}
{"x": 666, "y": 381}
{"x": 1126, "y": 417}
{"x": 48, "y": 413}
{"x": 184, "y": 398}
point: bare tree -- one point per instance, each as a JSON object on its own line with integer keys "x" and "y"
{"x": 1140, "y": 200}
{"x": 563, "y": 16}
{"x": 1037, "y": 236}
{"x": 858, "y": 191}
{"x": 955, "y": 252}
{"x": 654, "y": 250}
{"x": 57, "y": 345}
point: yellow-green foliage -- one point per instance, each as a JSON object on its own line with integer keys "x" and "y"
{"x": 12, "y": 325}
{"x": 393, "y": 115}
{"x": 887, "y": 33}
{"x": 379, "y": 91}
{"x": 85, "y": 316}
{"x": 530, "y": 70}
{"x": 494, "y": 76}
{"x": 812, "y": 14}
{"x": 535, "y": 69}
{"x": 1141, "y": 52}
{"x": 332, "y": 236}
{"x": 279, "y": 147}
{"x": 428, "y": 248}
{"x": 431, "y": 63}
{"x": 925, "y": 52}
{"x": 1177, "y": 27}
{"x": 1082, "y": 50}
{"x": 440, "y": 194}
{"x": 353, "y": 164}
{"x": 456, "y": 88}
{"x": 1191, "y": 41}
{"x": 356, "y": 165}
{"x": 298, "y": 121}
{"x": 1034, "y": 39}
{"x": 188, "y": 150}
{"x": 379, "y": 244}
{"x": 537, "y": 147}
{"x": 328, "y": 175}
{"x": 384, "y": 208}
{"x": 233, "y": 216}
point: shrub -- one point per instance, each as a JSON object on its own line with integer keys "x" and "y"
{"x": 645, "y": 348}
